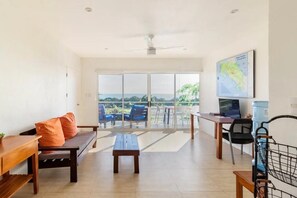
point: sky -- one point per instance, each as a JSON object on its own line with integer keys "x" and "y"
{"x": 137, "y": 83}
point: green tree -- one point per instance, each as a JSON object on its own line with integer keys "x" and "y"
{"x": 144, "y": 98}
{"x": 188, "y": 93}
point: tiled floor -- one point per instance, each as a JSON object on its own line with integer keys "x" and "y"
{"x": 171, "y": 165}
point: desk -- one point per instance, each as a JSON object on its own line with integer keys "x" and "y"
{"x": 219, "y": 121}
{"x": 243, "y": 178}
{"x": 13, "y": 151}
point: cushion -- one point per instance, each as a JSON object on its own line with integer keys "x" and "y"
{"x": 68, "y": 125}
{"x": 81, "y": 140}
{"x": 51, "y": 132}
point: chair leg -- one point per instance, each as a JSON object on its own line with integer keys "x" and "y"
{"x": 241, "y": 149}
{"x": 182, "y": 118}
{"x": 253, "y": 151}
{"x": 156, "y": 117}
{"x": 231, "y": 148}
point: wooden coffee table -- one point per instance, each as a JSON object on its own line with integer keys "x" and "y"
{"x": 126, "y": 145}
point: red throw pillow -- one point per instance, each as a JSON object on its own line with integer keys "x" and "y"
{"x": 69, "y": 125}
{"x": 51, "y": 132}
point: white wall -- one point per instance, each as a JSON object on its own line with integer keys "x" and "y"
{"x": 282, "y": 71}
{"x": 91, "y": 67}
{"x": 282, "y": 67}
{"x": 255, "y": 38}
{"x": 32, "y": 72}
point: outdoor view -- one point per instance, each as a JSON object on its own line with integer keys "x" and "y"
{"x": 172, "y": 97}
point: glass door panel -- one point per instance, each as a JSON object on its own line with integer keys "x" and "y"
{"x": 110, "y": 96}
{"x": 162, "y": 100}
{"x": 147, "y": 100}
{"x": 135, "y": 101}
{"x": 187, "y": 98}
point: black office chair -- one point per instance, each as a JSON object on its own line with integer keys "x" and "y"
{"x": 239, "y": 133}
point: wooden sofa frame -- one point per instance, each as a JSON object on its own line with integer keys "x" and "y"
{"x": 72, "y": 159}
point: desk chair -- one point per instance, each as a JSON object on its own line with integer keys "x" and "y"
{"x": 239, "y": 133}
{"x": 159, "y": 111}
{"x": 183, "y": 114}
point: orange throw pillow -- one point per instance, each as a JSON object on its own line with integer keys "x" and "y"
{"x": 69, "y": 125}
{"x": 51, "y": 132}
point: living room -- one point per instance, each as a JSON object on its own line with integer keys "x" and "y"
{"x": 41, "y": 41}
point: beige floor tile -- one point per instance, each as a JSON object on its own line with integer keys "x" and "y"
{"x": 206, "y": 195}
{"x": 158, "y": 195}
{"x": 171, "y": 165}
{"x": 112, "y": 195}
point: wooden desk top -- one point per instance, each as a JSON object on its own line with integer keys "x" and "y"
{"x": 213, "y": 118}
{"x": 10, "y": 143}
{"x": 195, "y": 114}
{"x": 246, "y": 179}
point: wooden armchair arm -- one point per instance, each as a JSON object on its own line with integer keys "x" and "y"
{"x": 94, "y": 127}
{"x": 29, "y": 132}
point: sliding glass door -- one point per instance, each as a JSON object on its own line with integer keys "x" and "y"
{"x": 143, "y": 101}
{"x": 187, "y": 98}
{"x": 110, "y": 95}
{"x": 135, "y": 101}
{"x": 162, "y": 100}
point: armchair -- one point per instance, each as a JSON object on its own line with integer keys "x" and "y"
{"x": 137, "y": 114}
{"x": 103, "y": 117}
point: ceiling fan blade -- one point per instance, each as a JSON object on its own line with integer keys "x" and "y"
{"x": 159, "y": 33}
{"x": 137, "y": 35}
{"x": 171, "y": 47}
{"x": 134, "y": 50}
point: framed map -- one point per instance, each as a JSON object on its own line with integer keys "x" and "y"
{"x": 235, "y": 76}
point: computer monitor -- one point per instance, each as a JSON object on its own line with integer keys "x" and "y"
{"x": 229, "y": 108}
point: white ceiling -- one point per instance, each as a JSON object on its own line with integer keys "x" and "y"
{"x": 115, "y": 27}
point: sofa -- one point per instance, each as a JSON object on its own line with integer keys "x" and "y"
{"x": 69, "y": 154}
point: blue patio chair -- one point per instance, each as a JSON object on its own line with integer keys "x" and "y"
{"x": 137, "y": 114}
{"x": 103, "y": 117}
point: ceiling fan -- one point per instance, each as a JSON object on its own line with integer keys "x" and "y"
{"x": 151, "y": 49}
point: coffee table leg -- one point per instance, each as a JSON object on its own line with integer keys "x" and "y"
{"x": 136, "y": 164}
{"x": 116, "y": 164}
